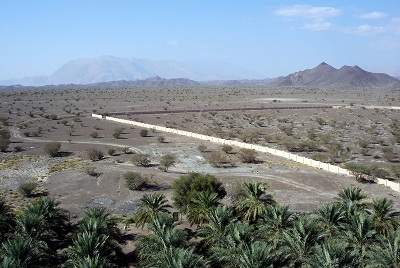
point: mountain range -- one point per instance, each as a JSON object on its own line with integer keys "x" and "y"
{"x": 108, "y": 71}
{"x": 108, "y": 68}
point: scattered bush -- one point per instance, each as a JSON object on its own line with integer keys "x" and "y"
{"x": 227, "y": 148}
{"x": 161, "y": 139}
{"x": 135, "y": 181}
{"x": 5, "y": 134}
{"x": 202, "y": 148}
{"x": 26, "y": 188}
{"x": 395, "y": 170}
{"x": 52, "y": 148}
{"x": 217, "y": 159}
{"x": 142, "y": 160}
{"x": 144, "y": 133}
{"x": 110, "y": 151}
{"x": 117, "y": 133}
{"x": 94, "y": 134}
{"x": 358, "y": 170}
{"x": 18, "y": 149}
{"x": 4, "y": 143}
{"x": 388, "y": 153}
{"x": 90, "y": 171}
{"x": 248, "y": 155}
{"x": 94, "y": 154}
{"x": 167, "y": 161}
{"x": 126, "y": 150}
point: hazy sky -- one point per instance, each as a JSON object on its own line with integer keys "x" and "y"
{"x": 271, "y": 37}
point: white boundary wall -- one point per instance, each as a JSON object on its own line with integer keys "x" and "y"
{"x": 264, "y": 149}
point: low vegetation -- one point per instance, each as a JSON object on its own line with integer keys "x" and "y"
{"x": 136, "y": 181}
{"x": 52, "y": 148}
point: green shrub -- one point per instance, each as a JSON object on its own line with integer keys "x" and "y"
{"x": 94, "y": 134}
{"x": 167, "y": 161}
{"x": 202, "y": 148}
{"x": 90, "y": 171}
{"x": 26, "y": 188}
{"x": 142, "y": 160}
{"x": 135, "y": 181}
{"x": 4, "y": 143}
{"x": 117, "y": 133}
{"x": 227, "y": 148}
{"x": 186, "y": 188}
{"x": 144, "y": 133}
{"x": 110, "y": 151}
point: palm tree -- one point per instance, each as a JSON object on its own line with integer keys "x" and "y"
{"x": 386, "y": 253}
{"x": 330, "y": 218}
{"x": 173, "y": 257}
{"x": 277, "y": 219}
{"x": 25, "y": 252}
{"x": 202, "y": 206}
{"x": 216, "y": 228}
{"x": 298, "y": 241}
{"x": 332, "y": 253}
{"x": 55, "y": 218}
{"x": 151, "y": 205}
{"x": 360, "y": 234}
{"x": 89, "y": 245}
{"x": 34, "y": 226}
{"x": 257, "y": 255}
{"x": 6, "y": 219}
{"x": 252, "y": 202}
{"x": 384, "y": 217}
{"x": 229, "y": 251}
{"x": 351, "y": 194}
{"x": 99, "y": 221}
{"x": 164, "y": 235}
{"x": 91, "y": 262}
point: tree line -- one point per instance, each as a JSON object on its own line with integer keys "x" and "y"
{"x": 247, "y": 229}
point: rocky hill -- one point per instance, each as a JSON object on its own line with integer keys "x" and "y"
{"x": 325, "y": 75}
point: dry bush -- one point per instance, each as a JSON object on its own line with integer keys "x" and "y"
{"x": 248, "y": 155}
{"x": 94, "y": 154}
{"x": 52, "y": 148}
{"x": 142, "y": 160}
{"x": 217, "y": 159}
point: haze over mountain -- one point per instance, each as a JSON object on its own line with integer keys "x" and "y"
{"x": 108, "y": 68}
{"x": 325, "y": 75}
{"x": 113, "y": 71}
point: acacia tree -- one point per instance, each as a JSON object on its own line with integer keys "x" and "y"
{"x": 167, "y": 161}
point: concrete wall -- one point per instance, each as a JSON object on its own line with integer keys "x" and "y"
{"x": 264, "y": 149}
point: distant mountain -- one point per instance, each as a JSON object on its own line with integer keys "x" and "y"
{"x": 108, "y": 68}
{"x": 325, "y": 75}
{"x": 152, "y": 81}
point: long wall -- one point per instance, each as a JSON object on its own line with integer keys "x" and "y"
{"x": 264, "y": 149}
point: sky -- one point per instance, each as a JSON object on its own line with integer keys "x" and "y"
{"x": 273, "y": 38}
